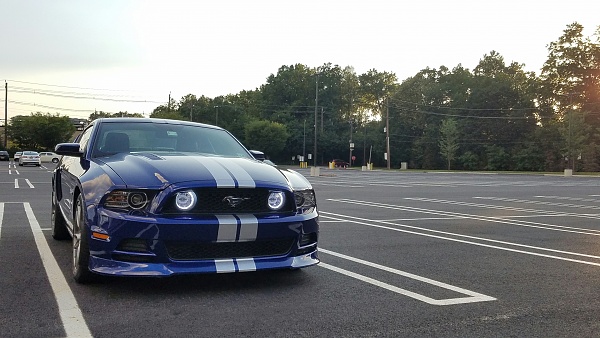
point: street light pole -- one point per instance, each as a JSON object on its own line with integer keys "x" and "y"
{"x": 216, "y": 115}
{"x": 351, "y": 145}
{"x": 387, "y": 132}
{"x": 304, "y": 143}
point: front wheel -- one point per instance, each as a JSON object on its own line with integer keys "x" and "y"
{"x": 81, "y": 249}
{"x": 59, "y": 226}
{"x": 54, "y": 160}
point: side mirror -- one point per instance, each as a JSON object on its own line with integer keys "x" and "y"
{"x": 259, "y": 155}
{"x": 68, "y": 149}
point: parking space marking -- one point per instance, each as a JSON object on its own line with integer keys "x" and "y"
{"x": 343, "y": 185}
{"x": 472, "y": 297}
{"x": 443, "y": 236}
{"x": 16, "y": 183}
{"x": 502, "y": 220}
{"x": 554, "y": 204}
{"x": 29, "y": 183}
{"x": 500, "y": 207}
{"x": 1, "y": 217}
{"x": 70, "y": 313}
{"x": 580, "y": 199}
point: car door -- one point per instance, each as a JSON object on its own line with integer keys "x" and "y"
{"x": 68, "y": 173}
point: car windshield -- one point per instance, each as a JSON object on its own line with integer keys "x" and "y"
{"x": 30, "y": 153}
{"x": 163, "y": 137}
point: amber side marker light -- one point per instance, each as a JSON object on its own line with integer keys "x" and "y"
{"x": 98, "y": 235}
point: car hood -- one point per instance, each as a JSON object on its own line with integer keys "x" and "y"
{"x": 157, "y": 171}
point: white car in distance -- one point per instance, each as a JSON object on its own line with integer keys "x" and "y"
{"x": 48, "y": 156}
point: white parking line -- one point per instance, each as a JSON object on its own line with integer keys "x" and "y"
{"x": 439, "y": 235}
{"x": 1, "y": 217}
{"x": 521, "y": 201}
{"x": 473, "y": 297}
{"x": 16, "y": 183}
{"x": 503, "y": 220}
{"x": 70, "y": 313}
{"x": 29, "y": 183}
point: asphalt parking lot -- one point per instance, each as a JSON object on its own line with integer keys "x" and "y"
{"x": 402, "y": 255}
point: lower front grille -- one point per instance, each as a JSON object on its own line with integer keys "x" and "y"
{"x": 202, "y": 250}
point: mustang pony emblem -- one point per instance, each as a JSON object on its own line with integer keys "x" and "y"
{"x": 234, "y": 201}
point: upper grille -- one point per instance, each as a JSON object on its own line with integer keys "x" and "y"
{"x": 214, "y": 200}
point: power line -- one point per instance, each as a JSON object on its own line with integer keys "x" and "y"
{"x": 60, "y": 86}
{"x": 97, "y": 98}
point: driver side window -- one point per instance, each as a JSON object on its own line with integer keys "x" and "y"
{"x": 84, "y": 139}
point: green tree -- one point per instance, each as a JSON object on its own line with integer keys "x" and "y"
{"x": 40, "y": 131}
{"x": 449, "y": 140}
{"x": 167, "y": 111}
{"x": 575, "y": 133}
{"x": 101, "y": 114}
{"x": 268, "y": 137}
{"x": 497, "y": 158}
{"x": 570, "y": 91}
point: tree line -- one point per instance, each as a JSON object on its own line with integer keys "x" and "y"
{"x": 495, "y": 117}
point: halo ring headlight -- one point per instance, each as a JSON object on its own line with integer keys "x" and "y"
{"x": 276, "y": 200}
{"x": 185, "y": 200}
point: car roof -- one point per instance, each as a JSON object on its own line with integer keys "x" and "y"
{"x": 151, "y": 120}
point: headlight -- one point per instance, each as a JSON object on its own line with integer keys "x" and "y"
{"x": 276, "y": 200}
{"x": 120, "y": 199}
{"x": 117, "y": 199}
{"x": 185, "y": 200}
{"x": 305, "y": 200}
{"x": 137, "y": 200}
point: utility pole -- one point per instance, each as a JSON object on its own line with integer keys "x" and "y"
{"x": 316, "y": 114}
{"x": 169, "y": 104}
{"x": 322, "y": 120}
{"x": 571, "y": 155}
{"x": 5, "y": 114}
{"x": 351, "y": 144}
{"x": 387, "y": 131}
{"x": 365, "y": 142}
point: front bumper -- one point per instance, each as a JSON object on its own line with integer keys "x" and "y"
{"x": 150, "y": 246}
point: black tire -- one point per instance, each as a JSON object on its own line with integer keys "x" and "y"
{"x": 54, "y": 160}
{"x": 20, "y": 164}
{"x": 57, "y": 221}
{"x": 81, "y": 249}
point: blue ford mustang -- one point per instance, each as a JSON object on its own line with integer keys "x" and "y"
{"x": 152, "y": 197}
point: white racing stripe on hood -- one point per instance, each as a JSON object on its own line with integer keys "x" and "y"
{"x": 221, "y": 176}
{"x": 239, "y": 174}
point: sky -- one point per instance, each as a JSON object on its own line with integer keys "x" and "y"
{"x": 75, "y": 57}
